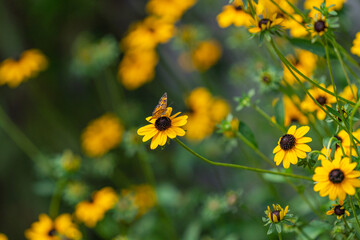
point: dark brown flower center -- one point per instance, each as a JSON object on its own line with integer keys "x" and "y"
{"x": 320, "y": 26}
{"x": 338, "y": 138}
{"x": 162, "y": 123}
{"x": 338, "y": 211}
{"x": 275, "y": 213}
{"x": 266, "y": 79}
{"x": 336, "y": 176}
{"x": 294, "y": 120}
{"x": 287, "y": 142}
{"x": 321, "y": 100}
{"x": 238, "y": 8}
{"x": 52, "y": 232}
{"x": 264, "y": 21}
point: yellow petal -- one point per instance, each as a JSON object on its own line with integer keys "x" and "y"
{"x": 303, "y": 147}
{"x": 155, "y": 141}
{"x": 276, "y": 149}
{"x": 301, "y": 131}
{"x": 292, "y": 130}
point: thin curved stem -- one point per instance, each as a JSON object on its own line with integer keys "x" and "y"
{"x": 354, "y": 211}
{"x": 240, "y": 166}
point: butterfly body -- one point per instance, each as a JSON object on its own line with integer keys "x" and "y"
{"x": 160, "y": 109}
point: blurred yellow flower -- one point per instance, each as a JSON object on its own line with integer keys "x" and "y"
{"x": 292, "y": 113}
{"x": 322, "y": 98}
{"x": 305, "y": 62}
{"x": 170, "y": 10}
{"x": 272, "y": 8}
{"x": 91, "y": 212}
{"x": 129, "y": 74}
{"x": 143, "y": 197}
{"x": 296, "y": 29}
{"x": 355, "y": 49}
{"x": 13, "y": 72}
{"x": 101, "y": 135}
{"x": 206, "y": 112}
{"x": 265, "y": 19}
{"x": 148, "y": 34}
{"x": 206, "y": 54}
{"x": 234, "y": 14}
{"x": 345, "y": 142}
{"x": 3, "y": 236}
{"x": 234, "y": 128}
{"x": 46, "y": 229}
{"x": 350, "y": 93}
{"x": 163, "y": 127}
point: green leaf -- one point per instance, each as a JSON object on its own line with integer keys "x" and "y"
{"x": 305, "y": 44}
{"x": 278, "y": 227}
{"x": 271, "y": 229}
{"x": 333, "y": 111}
{"x": 247, "y": 132}
{"x": 279, "y": 112}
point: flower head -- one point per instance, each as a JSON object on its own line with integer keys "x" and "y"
{"x": 339, "y": 210}
{"x": 13, "y": 72}
{"x": 206, "y": 54}
{"x": 234, "y": 13}
{"x": 323, "y": 98}
{"x": 142, "y": 196}
{"x": 355, "y": 49}
{"x": 278, "y": 214}
{"x": 336, "y": 178}
{"x": 163, "y": 127}
{"x": 101, "y": 135}
{"x": 292, "y": 113}
{"x": 46, "y": 229}
{"x": 265, "y": 20}
{"x": 292, "y": 146}
{"x": 92, "y": 212}
{"x": 3, "y": 237}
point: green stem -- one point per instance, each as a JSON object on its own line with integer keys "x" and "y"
{"x": 241, "y": 166}
{"x": 22, "y": 141}
{"x": 331, "y": 74}
{"x": 351, "y": 121}
{"x": 346, "y": 224}
{"x": 56, "y": 198}
{"x": 279, "y": 234}
{"x": 267, "y": 117}
{"x": 354, "y": 211}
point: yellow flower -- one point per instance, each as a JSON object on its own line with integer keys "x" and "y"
{"x": 267, "y": 21}
{"x": 322, "y": 98}
{"x": 278, "y": 214}
{"x": 336, "y": 178}
{"x": 234, "y": 124}
{"x": 206, "y": 54}
{"x": 13, "y": 72}
{"x": 148, "y": 34}
{"x": 272, "y": 8}
{"x": 47, "y": 229}
{"x": 338, "y": 210}
{"x": 163, "y": 127}
{"x": 345, "y": 142}
{"x": 355, "y": 49}
{"x": 310, "y": 4}
{"x": 143, "y": 197}
{"x": 319, "y": 26}
{"x": 234, "y": 14}
{"x": 3, "y": 236}
{"x": 296, "y": 29}
{"x": 292, "y": 146}
{"x": 350, "y": 93}
{"x": 129, "y": 74}
{"x": 92, "y": 212}
{"x": 206, "y": 112}
{"x": 101, "y": 135}
{"x": 292, "y": 113}
{"x": 305, "y": 62}
{"x": 170, "y": 10}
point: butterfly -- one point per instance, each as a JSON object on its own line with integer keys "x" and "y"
{"x": 160, "y": 109}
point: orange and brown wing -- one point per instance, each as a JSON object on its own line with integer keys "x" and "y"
{"x": 160, "y": 108}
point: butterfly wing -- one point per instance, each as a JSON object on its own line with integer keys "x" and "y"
{"x": 160, "y": 108}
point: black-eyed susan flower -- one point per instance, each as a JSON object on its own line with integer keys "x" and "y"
{"x": 163, "y": 127}
{"x": 336, "y": 179}
{"x": 60, "y": 228}
{"x": 101, "y": 135}
{"x": 292, "y": 146}
{"x": 206, "y": 54}
{"x": 323, "y": 98}
{"x": 278, "y": 214}
{"x": 234, "y": 13}
{"x": 143, "y": 197}
{"x": 129, "y": 74}
{"x": 264, "y": 20}
{"x": 319, "y": 26}
{"x": 355, "y": 49}
{"x": 292, "y": 113}
{"x": 339, "y": 210}
{"x": 13, "y": 72}
{"x": 335, "y": 5}
{"x": 350, "y": 93}
{"x": 91, "y": 212}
